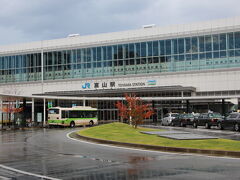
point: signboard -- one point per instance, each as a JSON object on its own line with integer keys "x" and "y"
{"x": 121, "y": 84}
{"x": 49, "y": 104}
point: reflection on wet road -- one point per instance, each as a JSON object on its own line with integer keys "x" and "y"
{"x": 49, "y": 153}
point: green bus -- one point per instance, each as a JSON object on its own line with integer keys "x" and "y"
{"x": 75, "y": 116}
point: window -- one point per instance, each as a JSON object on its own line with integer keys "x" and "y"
{"x": 230, "y": 41}
{"x": 143, "y": 49}
{"x": 201, "y": 44}
{"x": 53, "y": 111}
{"x": 194, "y": 44}
{"x": 162, "y": 48}
{"x": 175, "y": 46}
{"x": 109, "y": 53}
{"x": 168, "y": 47}
{"x": 222, "y": 41}
{"x": 208, "y": 43}
{"x": 215, "y": 42}
{"x": 149, "y": 48}
{"x": 180, "y": 46}
{"x": 237, "y": 39}
{"x": 131, "y": 50}
{"x": 187, "y": 45}
{"x": 155, "y": 48}
{"x": 65, "y": 114}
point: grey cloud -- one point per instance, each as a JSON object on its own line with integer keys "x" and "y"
{"x": 27, "y": 20}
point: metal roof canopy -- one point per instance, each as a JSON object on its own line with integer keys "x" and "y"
{"x": 119, "y": 98}
{"x": 96, "y": 92}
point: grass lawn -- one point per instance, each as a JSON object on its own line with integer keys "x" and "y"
{"x": 124, "y": 133}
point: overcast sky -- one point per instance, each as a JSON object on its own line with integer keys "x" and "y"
{"x": 33, "y": 20}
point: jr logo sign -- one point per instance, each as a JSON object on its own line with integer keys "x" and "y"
{"x": 86, "y": 85}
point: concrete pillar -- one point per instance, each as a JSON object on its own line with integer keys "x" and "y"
{"x": 33, "y": 111}
{"x": 44, "y": 112}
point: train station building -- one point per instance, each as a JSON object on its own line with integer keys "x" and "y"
{"x": 178, "y": 68}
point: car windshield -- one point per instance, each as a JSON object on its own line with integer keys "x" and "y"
{"x": 215, "y": 115}
{"x": 174, "y": 115}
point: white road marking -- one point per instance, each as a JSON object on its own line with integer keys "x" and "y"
{"x": 143, "y": 150}
{"x": 27, "y": 173}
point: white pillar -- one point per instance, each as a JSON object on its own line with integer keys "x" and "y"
{"x": 33, "y": 111}
{"x": 84, "y": 102}
{"x": 44, "y": 112}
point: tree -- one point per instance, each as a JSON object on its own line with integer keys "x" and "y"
{"x": 10, "y": 108}
{"x": 134, "y": 110}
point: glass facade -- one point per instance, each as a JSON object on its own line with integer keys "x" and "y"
{"x": 170, "y": 55}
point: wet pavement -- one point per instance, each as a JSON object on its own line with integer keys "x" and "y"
{"x": 49, "y": 154}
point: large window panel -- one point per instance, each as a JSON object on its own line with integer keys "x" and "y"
{"x": 79, "y": 59}
{"x": 89, "y": 55}
{"x": 201, "y": 44}
{"x": 150, "y": 48}
{"x": 175, "y": 46}
{"x": 223, "y": 43}
{"x": 99, "y": 53}
{"x": 73, "y": 56}
{"x": 115, "y": 52}
{"x": 237, "y": 39}
{"x": 188, "y": 45}
{"x": 230, "y": 41}
{"x": 120, "y": 52}
{"x": 125, "y": 51}
{"x": 162, "y": 47}
{"x": 109, "y": 53}
{"x": 137, "y": 46}
{"x": 131, "y": 50}
{"x": 155, "y": 48}
{"x": 208, "y": 43}
{"x": 194, "y": 44}
{"x": 104, "y": 50}
{"x": 143, "y": 49}
{"x": 94, "y": 54}
{"x": 181, "y": 46}
{"x": 216, "y": 43}
{"x": 168, "y": 47}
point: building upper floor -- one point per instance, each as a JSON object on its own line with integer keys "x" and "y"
{"x": 199, "y": 46}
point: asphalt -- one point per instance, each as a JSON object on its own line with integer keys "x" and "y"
{"x": 50, "y": 153}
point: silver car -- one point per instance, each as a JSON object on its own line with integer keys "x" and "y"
{"x": 167, "y": 119}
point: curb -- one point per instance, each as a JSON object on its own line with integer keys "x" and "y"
{"x": 235, "y": 154}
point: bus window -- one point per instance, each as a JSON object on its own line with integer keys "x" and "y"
{"x": 64, "y": 114}
{"x": 76, "y": 114}
{"x": 53, "y": 111}
{"x": 91, "y": 114}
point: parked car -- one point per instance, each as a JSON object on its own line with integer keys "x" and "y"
{"x": 167, "y": 119}
{"x": 208, "y": 120}
{"x": 183, "y": 120}
{"x": 231, "y": 121}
